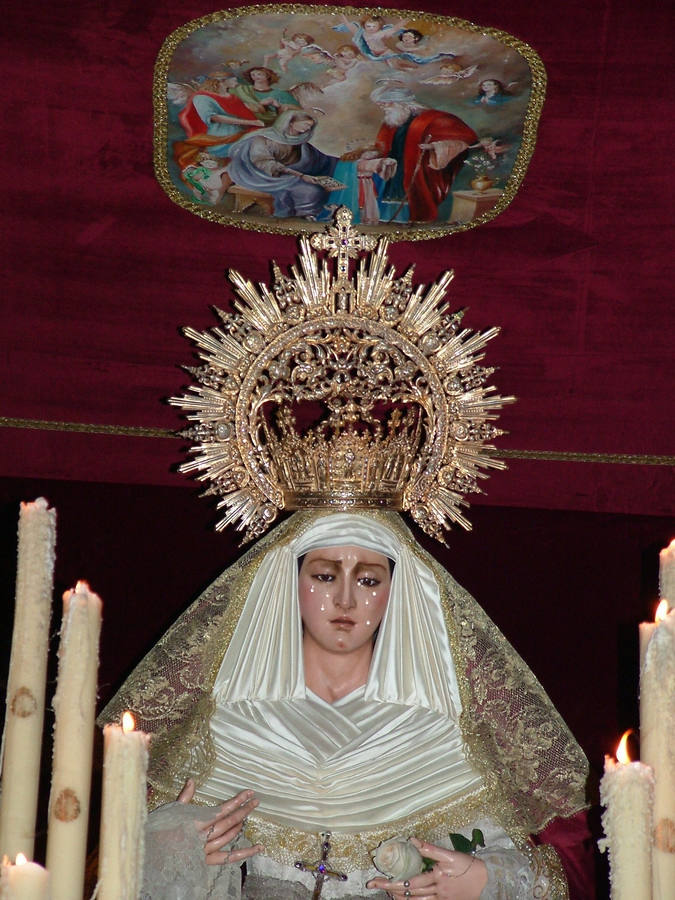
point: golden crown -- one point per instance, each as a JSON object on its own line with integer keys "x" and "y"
{"x": 340, "y": 390}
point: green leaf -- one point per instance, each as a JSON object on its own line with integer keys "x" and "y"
{"x": 461, "y": 844}
{"x": 477, "y": 838}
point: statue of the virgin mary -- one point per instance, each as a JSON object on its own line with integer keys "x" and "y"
{"x": 337, "y": 717}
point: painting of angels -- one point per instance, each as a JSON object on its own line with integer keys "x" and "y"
{"x": 271, "y": 119}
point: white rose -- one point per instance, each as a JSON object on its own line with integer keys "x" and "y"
{"x": 398, "y": 858}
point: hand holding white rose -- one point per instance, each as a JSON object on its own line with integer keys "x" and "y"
{"x": 398, "y": 858}
{"x": 455, "y": 876}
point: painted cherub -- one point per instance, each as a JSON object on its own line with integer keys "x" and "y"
{"x": 450, "y": 72}
{"x": 408, "y": 55}
{"x": 289, "y": 48}
{"x": 345, "y": 59}
{"x": 369, "y": 35}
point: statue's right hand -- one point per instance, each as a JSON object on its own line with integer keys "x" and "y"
{"x": 224, "y": 827}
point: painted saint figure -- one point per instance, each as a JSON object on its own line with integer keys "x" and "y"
{"x": 261, "y": 96}
{"x": 429, "y": 146}
{"x": 211, "y": 117}
{"x": 281, "y": 161}
{"x": 491, "y": 92}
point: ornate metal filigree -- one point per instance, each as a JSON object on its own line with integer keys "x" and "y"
{"x": 404, "y": 413}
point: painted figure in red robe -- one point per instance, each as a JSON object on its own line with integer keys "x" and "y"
{"x": 429, "y": 146}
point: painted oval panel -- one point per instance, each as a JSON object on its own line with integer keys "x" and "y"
{"x": 270, "y": 118}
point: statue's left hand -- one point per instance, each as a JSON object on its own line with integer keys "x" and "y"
{"x": 455, "y": 876}
{"x": 224, "y": 827}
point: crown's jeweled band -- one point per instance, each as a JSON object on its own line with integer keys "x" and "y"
{"x": 342, "y": 500}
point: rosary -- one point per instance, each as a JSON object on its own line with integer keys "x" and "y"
{"x": 320, "y": 869}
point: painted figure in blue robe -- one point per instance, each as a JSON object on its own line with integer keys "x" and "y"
{"x": 491, "y": 92}
{"x": 281, "y": 161}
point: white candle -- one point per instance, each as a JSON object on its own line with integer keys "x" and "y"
{"x": 627, "y": 792}
{"x": 647, "y": 629}
{"x": 23, "y": 881}
{"x": 667, "y": 573}
{"x": 24, "y": 715}
{"x": 124, "y": 811}
{"x": 657, "y": 748}
{"x": 74, "y": 706}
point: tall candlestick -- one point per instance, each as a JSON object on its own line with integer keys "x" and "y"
{"x": 123, "y": 813}
{"x": 24, "y": 715}
{"x": 627, "y": 792}
{"x": 667, "y": 573}
{"x": 23, "y": 881}
{"x": 657, "y": 748}
{"x": 74, "y": 706}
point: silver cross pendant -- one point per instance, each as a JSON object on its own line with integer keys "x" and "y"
{"x": 320, "y": 869}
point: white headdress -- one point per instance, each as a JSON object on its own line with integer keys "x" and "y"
{"x": 411, "y": 664}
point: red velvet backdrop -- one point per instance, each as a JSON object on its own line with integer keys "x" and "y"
{"x": 101, "y": 269}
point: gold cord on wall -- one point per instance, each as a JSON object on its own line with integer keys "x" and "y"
{"x": 137, "y": 431}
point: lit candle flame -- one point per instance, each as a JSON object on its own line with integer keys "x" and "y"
{"x": 128, "y": 722}
{"x": 661, "y": 611}
{"x": 622, "y": 750}
{"x": 20, "y": 859}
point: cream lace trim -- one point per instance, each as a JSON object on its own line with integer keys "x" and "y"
{"x": 545, "y": 861}
{"x": 351, "y": 850}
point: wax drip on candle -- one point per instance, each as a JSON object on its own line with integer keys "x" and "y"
{"x": 661, "y": 611}
{"x": 667, "y": 572}
{"x": 627, "y": 793}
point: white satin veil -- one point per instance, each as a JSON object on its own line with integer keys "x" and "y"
{"x": 387, "y": 749}
{"x": 412, "y": 663}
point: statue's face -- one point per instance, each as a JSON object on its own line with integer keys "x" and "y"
{"x": 343, "y": 593}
